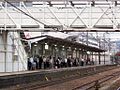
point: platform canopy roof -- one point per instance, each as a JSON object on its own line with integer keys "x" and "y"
{"x": 66, "y": 43}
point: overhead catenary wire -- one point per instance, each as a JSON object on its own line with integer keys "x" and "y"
{"x": 25, "y": 13}
{"x": 112, "y": 15}
{"x": 54, "y": 28}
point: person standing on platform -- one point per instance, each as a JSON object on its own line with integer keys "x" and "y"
{"x": 44, "y": 62}
{"x": 65, "y": 62}
{"x": 51, "y": 62}
{"x": 29, "y": 64}
{"x": 32, "y": 63}
{"x": 36, "y": 61}
{"x": 47, "y": 62}
{"x": 58, "y": 62}
{"x": 40, "y": 62}
{"x": 82, "y": 62}
{"x": 69, "y": 62}
{"x": 54, "y": 62}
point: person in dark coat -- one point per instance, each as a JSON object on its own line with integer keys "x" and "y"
{"x": 35, "y": 62}
{"x": 69, "y": 62}
{"x": 29, "y": 64}
{"x": 40, "y": 62}
{"x": 82, "y": 62}
{"x": 54, "y": 62}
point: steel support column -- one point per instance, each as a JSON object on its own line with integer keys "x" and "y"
{"x": 99, "y": 59}
{"x": 104, "y": 57}
{"x": 5, "y": 33}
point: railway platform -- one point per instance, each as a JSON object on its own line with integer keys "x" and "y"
{"x": 22, "y": 79}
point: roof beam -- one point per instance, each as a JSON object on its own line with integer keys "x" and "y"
{"x": 49, "y": 3}
{"x": 35, "y": 29}
{"x": 78, "y": 16}
{"x": 40, "y": 25}
{"x": 71, "y": 3}
{"x": 24, "y": 12}
{"x": 92, "y": 3}
{"x": 53, "y": 0}
{"x": 8, "y": 14}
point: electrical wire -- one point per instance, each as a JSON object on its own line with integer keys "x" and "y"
{"x": 24, "y": 12}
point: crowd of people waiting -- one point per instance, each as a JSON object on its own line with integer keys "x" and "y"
{"x": 37, "y": 62}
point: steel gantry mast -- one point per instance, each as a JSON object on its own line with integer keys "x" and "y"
{"x": 60, "y": 15}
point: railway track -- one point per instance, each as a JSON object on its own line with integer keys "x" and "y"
{"x": 87, "y": 86}
{"x": 96, "y": 83}
{"x": 48, "y": 83}
{"x": 38, "y": 85}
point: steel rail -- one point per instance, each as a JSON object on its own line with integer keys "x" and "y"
{"x": 90, "y": 85}
{"x": 38, "y": 85}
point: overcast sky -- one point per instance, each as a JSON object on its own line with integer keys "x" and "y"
{"x": 114, "y": 36}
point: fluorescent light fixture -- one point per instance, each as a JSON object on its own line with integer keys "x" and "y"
{"x": 88, "y": 52}
{"x": 35, "y": 45}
